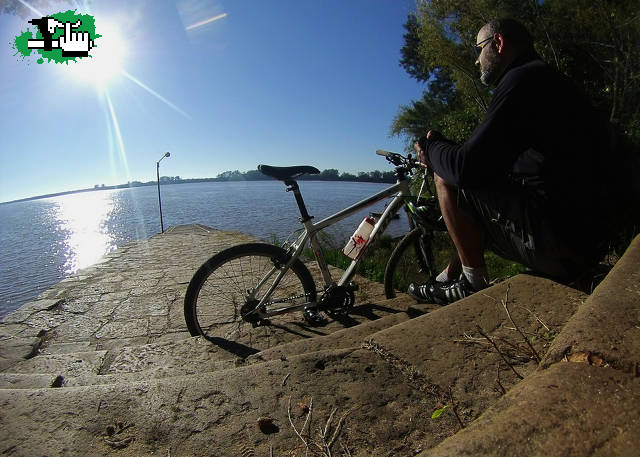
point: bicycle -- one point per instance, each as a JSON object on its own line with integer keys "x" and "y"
{"x": 251, "y": 285}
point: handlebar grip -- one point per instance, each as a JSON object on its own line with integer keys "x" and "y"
{"x": 382, "y": 152}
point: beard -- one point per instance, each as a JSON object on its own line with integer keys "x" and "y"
{"x": 490, "y": 73}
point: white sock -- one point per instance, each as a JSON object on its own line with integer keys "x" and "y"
{"x": 477, "y": 277}
{"x": 444, "y": 276}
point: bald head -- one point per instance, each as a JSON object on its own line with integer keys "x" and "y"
{"x": 499, "y": 43}
{"x": 513, "y": 31}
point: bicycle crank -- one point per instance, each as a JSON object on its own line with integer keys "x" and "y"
{"x": 338, "y": 300}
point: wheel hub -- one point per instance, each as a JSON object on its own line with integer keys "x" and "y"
{"x": 249, "y": 313}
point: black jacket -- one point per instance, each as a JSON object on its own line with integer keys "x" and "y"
{"x": 540, "y": 137}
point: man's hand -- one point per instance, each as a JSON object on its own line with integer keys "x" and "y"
{"x": 75, "y": 43}
{"x": 420, "y": 146}
{"x": 419, "y": 151}
{"x": 434, "y": 135}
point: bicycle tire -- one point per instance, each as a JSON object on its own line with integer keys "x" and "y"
{"x": 410, "y": 261}
{"x": 217, "y": 292}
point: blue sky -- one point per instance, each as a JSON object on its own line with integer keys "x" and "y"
{"x": 281, "y": 82}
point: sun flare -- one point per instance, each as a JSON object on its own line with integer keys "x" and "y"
{"x": 106, "y": 61}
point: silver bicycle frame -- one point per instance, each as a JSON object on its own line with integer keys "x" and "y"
{"x": 399, "y": 192}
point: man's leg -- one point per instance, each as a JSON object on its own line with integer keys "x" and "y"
{"x": 468, "y": 238}
{"x": 466, "y": 234}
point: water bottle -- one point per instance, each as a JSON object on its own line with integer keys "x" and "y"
{"x": 359, "y": 238}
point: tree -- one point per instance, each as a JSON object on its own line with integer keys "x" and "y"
{"x": 231, "y": 176}
{"x": 330, "y": 174}
{"x": 596, "y": 43}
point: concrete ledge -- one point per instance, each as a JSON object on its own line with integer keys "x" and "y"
{"x": 446, "y": 352}
{"x": 567, "y": 410}
{"x": 606, "y": 329}
{"x": 588, "y": 408}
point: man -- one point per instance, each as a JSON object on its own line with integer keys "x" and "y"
{"x": 532, "y": 183}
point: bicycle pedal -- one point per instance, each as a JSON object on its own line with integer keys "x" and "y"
{"x": 313, "y": 317}
{"x": 353, "y": 286}
{"x": 260, "y": 323}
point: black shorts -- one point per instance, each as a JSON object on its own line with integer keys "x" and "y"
{"x": 518, "y": 227}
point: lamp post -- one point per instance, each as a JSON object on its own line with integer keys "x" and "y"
{"x": 166, "y": 154}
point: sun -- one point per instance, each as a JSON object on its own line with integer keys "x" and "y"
{"x": 106, "y": 58}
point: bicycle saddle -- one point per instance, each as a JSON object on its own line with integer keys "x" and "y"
{"x": 287, "y": 173}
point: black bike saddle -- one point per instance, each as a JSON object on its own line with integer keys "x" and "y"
{"x": 287, "y": 173}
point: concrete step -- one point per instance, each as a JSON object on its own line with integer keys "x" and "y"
{"x": 245, "y": 411}
{"x": 56, "y": 367}
{"x": 124, "y": 365}
{"x": 350, "y": 337}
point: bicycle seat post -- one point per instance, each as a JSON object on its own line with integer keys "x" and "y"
{"x": 292, "y": 186}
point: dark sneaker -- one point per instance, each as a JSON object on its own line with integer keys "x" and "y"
{"x": 441, "y": 293}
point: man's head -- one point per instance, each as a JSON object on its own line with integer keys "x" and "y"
{"x": 499, "y": 43}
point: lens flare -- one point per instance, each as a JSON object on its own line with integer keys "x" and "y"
{"x": 31, "y": 8}
{"x": 205, "y": 22}
{"x": 154, "y": 93}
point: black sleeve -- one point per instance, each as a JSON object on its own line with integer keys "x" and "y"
{"x": 495, "y": 144}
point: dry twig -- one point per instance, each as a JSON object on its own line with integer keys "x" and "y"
{"x": 327, "y": 435}
{"x": 295, "y": 430}
{"x": 505, "y": 304}
{"x": 495, "y": 346}
{"x": 537, "y": 318}
{"x": 504, "y": 391}
{"x": 454, "y": 408}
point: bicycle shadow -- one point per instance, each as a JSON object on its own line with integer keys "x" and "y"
{"x": 299, "y": 329}
{"x": 367, "y": 311}
{"x": 233, "y": 347}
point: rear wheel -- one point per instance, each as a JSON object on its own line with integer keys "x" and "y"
{"x": 411, "y": 262}
{"x": 219, "y": 301}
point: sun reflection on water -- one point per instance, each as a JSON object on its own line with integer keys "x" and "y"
{"x": 83, "y": 220}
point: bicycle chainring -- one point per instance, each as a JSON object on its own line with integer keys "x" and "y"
{"x": 337, "y": 301}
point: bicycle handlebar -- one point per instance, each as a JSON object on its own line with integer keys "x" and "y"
{"x": 398, "y": 159}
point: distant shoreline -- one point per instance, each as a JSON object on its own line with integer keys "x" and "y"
{"x": 253, "y": 175}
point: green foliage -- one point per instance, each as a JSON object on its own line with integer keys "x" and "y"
{"x": 372, "y": 265}
{"x": 596, "y": 43}
{"x": 500, "y": 268}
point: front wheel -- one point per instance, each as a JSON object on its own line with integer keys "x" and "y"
{"x": 224, "y": 291}
{"x": 411, "y": 262}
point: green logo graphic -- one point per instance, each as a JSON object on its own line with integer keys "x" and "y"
{"x": 59, "y": 38}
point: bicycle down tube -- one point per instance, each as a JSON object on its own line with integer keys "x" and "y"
{"x": 399, "y": 191}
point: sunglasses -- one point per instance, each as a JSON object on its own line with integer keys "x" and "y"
{"x": 477, "y": 49}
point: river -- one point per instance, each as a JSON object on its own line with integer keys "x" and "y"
{"x": 46, "y": 240}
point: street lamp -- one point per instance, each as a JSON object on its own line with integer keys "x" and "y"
{"x": 166, "y": 154}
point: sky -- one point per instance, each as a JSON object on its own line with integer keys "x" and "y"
{"x": 220, "y": 84}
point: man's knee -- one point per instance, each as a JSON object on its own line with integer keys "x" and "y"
{"x": 442, "y": 187}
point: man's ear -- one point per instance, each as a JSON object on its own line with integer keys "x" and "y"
{"x": 498, "y": 38}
